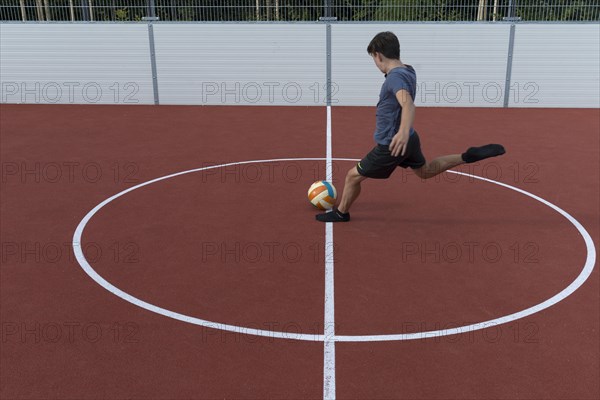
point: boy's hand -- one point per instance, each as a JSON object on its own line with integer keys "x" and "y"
{"x": 398, "y": 144}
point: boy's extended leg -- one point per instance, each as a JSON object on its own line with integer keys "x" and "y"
{"x": 439, "y": 165}
{"x": 350, "y": 193}
{"x": 473, "y": 154}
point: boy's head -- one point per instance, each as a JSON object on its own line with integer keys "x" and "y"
{"x": 386, "y": 44}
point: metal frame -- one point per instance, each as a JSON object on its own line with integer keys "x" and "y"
{"x": 360, "y": 11}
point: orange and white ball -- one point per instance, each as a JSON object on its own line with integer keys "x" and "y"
{"x": 322, "y": 194}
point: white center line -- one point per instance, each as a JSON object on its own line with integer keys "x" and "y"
{"x": 329, "y": 325}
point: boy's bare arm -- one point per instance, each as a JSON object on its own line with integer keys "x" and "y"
{"x": 399, "y": 141}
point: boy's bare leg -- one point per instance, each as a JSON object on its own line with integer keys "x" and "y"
{"x": 439, "y": 165}
{"x": 351, "y": 192}
{"x": 351, "y": 189}
{"x": 444, "y": 163}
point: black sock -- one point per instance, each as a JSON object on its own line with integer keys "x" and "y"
{"x": 474, "y": 154}
{"x": 333, "y": 216}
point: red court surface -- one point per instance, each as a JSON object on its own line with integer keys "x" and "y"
{"x": 239, "y": 245}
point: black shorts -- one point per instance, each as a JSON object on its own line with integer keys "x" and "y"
{"x": 379, "y": 163}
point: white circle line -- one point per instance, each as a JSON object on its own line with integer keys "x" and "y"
{"x": 581, "y": 278}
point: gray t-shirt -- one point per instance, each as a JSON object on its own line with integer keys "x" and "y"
{"x": 389, "y": 111}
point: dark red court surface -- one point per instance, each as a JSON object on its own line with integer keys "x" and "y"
{"x": 239, "y": 245}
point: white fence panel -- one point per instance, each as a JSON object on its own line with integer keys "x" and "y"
{"x": 456, "y": 64}
{"x": 241, "y": 64}
{"x": 556, "y": 65}
{"x": 75, "y": 63}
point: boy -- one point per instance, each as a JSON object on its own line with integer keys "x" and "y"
{"x": 397, "y": 143}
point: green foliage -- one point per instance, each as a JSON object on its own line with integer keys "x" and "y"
{"x": 559, "y": 10}
{"x": 405, "y": 10}
{"x": 122, "y": 15}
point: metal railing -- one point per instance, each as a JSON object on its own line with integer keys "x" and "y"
{"x": 300, "y": 10}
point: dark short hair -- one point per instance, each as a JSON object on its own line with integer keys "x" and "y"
{"x": 385, "y": 43}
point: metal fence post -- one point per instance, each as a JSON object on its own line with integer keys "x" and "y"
{"x": 151, "y": 9}
{"x": 328, "y": 49}
{"x": 327, "y": 19}
{"x": 150, "y": 19}
{"x": 511, "y": 8}
{"x": 23, "y": 12}
{"x": 511, "y": 45}
{"x": 85, "y": 13}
